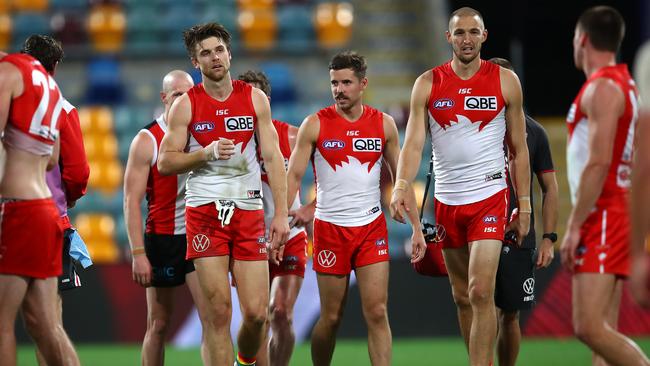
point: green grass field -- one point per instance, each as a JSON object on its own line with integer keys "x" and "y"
{"x": 447, "y": 352}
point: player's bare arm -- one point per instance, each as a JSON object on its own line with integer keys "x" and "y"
{"x": 391, "y": 150}
{"x": 604, "y": 103}
{"x": 305, "y": 144}
{"x": 550, "y": 198}
{"x": 274, "y": 164}
{"x": 639, "y": 212}
{"x": 410, "y": 156}
{"x": 305, "y": 213}
{"x": 516, "y": 140}
{"x": 12, "y": 86}
{"x": 173, "y": 159}
{"x": 136, "y": 175}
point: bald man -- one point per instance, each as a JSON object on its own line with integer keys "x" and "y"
{"x": 158, "y": 254}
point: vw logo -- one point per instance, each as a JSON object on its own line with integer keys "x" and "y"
{"x": 200, "y": 243}
{"x": 441, "y": 234}
{"x": 529, "y": 286}
{"x": 326, "y": 258}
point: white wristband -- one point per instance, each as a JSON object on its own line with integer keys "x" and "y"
{"x": 215, "y": 149}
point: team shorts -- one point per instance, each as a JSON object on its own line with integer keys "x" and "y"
{"x": 69, "y": 279}
{"x": 339, "y": 249}
{"x": 31, "y": 238}
{"x": 166, "y": 254}
{"x": 515, "y": 282}
{"x": 604, "y": 243}
{"x": 242, "y": 238}
{"x": 294, "y": 259}
{"x": 482, "y": 220}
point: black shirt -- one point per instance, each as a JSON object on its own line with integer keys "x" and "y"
{"x": 539, "y": 153}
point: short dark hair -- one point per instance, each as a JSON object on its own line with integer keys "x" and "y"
{"x": 47, "y": 50}
{"x": 604, "y": 26}
{"x": 502, "y": 62}
{"x": 349, "y": 60}
{"x": 200, "y": 32}
{"x": 259, "y": 78}
{"x": 466, "y": 11}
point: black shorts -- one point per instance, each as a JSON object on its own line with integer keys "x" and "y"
{"x": 166, "y": 253}
{"x": 69, "y": 279}
{"x": 515, "y": 283}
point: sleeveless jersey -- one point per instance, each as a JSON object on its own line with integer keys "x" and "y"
{"x": 267, "y": 197}
{"x": 237, "y": 178}
{"x": 35, "y": 115}
{"x": 165, "y": 193}
{"x": 617, "y": 183}
{"x": 347, "y": 165}
{"x": 468, "y": 128}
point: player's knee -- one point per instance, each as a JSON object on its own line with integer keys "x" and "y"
{"x": 158, "y": 326}
{"x": 508, "y": 317}
{"x": 280, "y": 317}
{"x": 331, "y": 319}
{"x": 219, "y": 313}
{"x": 480, "y": 293}
{"x": 461, "y": 298}
{"x": 256, "y": 317}
{"x": 376, "y": 313}
{"x": 587, "y": 331}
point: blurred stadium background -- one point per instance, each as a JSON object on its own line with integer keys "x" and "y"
{"x": 118, "y": 51}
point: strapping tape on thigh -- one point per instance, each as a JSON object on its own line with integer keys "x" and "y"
{"x": 225, "y": 210}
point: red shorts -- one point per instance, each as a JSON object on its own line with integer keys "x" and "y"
{"x": 605, "y": 243}
{"x": 242, "y": 239}
{"x": 482, "y": 220}
{"x": 294, "y": 259}
{"x": 31, "y": 238}
{"x": 338, "y": 249}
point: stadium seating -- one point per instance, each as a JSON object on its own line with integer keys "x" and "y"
{"x": 30, "y": 5}
{"x": 334, "y": 24}
{"x": 258, "y": 26}
{"x": 5, "y": 30}
{"x": 97, "y": 231}
{"x": 107, "y": 26}
{"x": 26, "y": 24}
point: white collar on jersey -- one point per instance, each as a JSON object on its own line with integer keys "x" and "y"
{"x": 161, "y": 122}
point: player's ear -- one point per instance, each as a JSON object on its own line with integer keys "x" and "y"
{"x": 485, "y": 35}
{"x": 448, "y": 35}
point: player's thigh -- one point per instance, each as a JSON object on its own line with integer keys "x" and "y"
{"x": 483, "y": 263}
{"x": 333, "y": 291}
{"x": 41, "y": 301}
{"x": 284, "y": 292}
{"x": 212, "y": 275}
{"x": 12, "y": 293}
{"x": 252, "y": 285}
{"x": 592, "y": 295}
{"x": 457, "y": 262}
{"x": 373, "y": 284}
{"x": 199, "y": 298}
{"x": 615, "y": 304}
{"x": 160, "y": 302}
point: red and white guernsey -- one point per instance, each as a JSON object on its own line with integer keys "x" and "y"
{"x": 35, "y": 115}
{"x": 165, "y": 193}
{"x": 617, "y": 182}
{"x": 347, "y": 164}
{"x": 468, "y": 128}
{"x": 267, "y": 197}
{"x": 237, "y": 178}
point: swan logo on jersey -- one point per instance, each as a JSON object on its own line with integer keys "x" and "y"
{"x": 474, "y": 103}
{"x": 202, "y": 127}
{"x": 443, "y": 104}
{"x": 372, "y": 144}
{"x": 333, "y": 144}
{"x": 239, "y": 123}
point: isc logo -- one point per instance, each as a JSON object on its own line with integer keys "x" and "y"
{"x": 366, "y": 144}
{"x": 333, "y": 144}
{"x": 480, "y": 103}
{"x": 222, "y": 112}
{"x": 443, "y": 103}
{"x": 202, "y": 127}
{"x": 239, "y": 123}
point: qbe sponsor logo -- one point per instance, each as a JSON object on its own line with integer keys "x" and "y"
{"x": 443, "y": 104}
{"x": 326, "y": 258}
{"x": 200, "y": 243}
{"x": 372, "y": 144}
{"x": 239, "y": 123}
{"x": 476, "y": 103}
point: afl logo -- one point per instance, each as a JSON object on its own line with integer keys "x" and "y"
{"x": 326, "y": 258}
{"x": 490, "y": 219}
{"x": 333, "y": 144}
{"x": 443, "y": 103}
{"x": 202, "y": 127}
{"x": 200, "y": 243}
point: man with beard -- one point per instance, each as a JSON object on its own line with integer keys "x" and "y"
{"x": 348, "y": 141}
{"x": 474, "y": 105}
{"x": 221, "y": 121}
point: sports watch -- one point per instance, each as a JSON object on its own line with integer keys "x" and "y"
{"x": 550, "y": 236}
